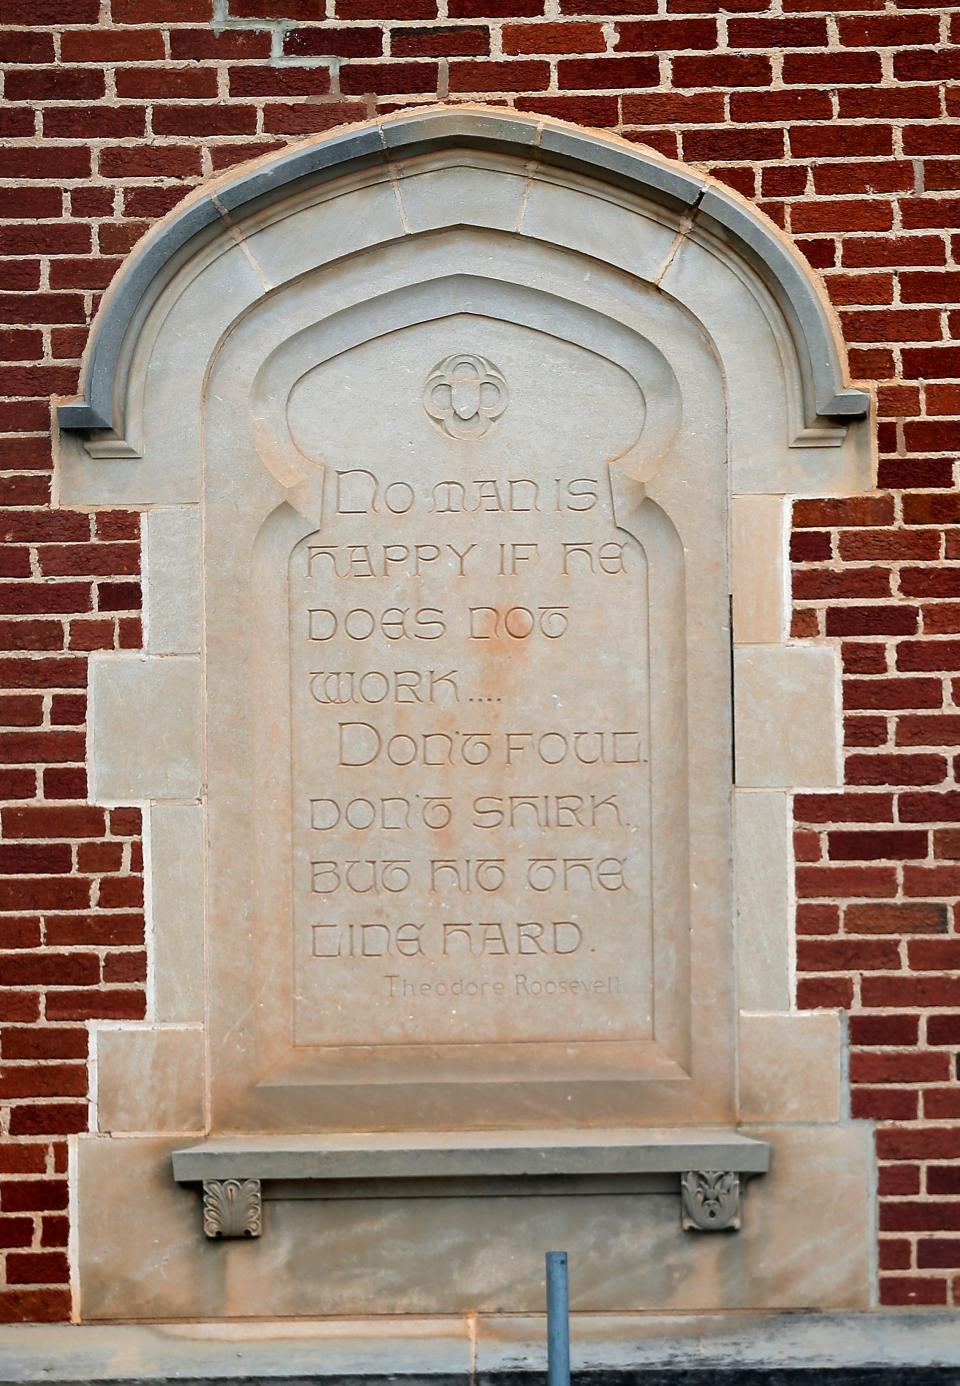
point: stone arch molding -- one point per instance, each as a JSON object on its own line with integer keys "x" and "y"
{"x": 722, "y": 352}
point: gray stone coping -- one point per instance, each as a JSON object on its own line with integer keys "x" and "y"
{"x": 154, "y": 260}
{"x": 469, "y": 1154}
{"x": 895, "y": 1348}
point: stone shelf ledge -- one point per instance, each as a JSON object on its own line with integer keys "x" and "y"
{"x": 708, "y": 1162}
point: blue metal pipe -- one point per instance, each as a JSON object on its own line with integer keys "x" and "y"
{"x": 558, "y": 1320}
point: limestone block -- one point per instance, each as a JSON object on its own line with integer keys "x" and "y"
{"x": 482, "y": 197}
{"x": 759, "y": 568}
{"x": 150, "y": 1079}
{"x": 788, "y": 730}
{"x": 620, "y": 235}
{"x": 790, "y": 1066}
{"x": 762, "y": 876}
{"x": 172, "y": 580}
{"x": 176, "y": 910}
{"x": 144, "y": 728}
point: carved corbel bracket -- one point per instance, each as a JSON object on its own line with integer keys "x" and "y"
{"x": 709, "y": 1200}
{"x": 232, "y": 1208}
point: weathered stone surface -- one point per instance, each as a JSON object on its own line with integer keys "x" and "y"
{"x": 896, "y": 1349}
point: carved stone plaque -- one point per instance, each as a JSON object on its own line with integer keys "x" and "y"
{"x": 469, "y": 639}
{"x": 478, "y": 658}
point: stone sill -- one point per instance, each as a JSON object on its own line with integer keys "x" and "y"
{"x": 704, "y": 1166}
{"x": 471, "y": 1154}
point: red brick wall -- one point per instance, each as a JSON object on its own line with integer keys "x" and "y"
{"x": 843, "y": 125}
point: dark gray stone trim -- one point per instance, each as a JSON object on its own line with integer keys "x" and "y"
{"x": 420, "y": 132}
{"x": 815, "y": 1375}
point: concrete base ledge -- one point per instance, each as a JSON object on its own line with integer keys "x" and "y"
{"x": 906, "y": 1348}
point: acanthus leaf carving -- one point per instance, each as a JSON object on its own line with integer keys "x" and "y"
{"x": 232, "y": 1208}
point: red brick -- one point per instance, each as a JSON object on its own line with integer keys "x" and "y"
{"x": 167, "y": 83}
{"x": 33, "y": 1195}
{"x": 926, "y": 65}
{"x": 888, "y": 30}
{"x": 934, "y": 955}
{"x": 836, "y": 141}
{"x": 884, "y": 1030}
{"x": 547, "y": 38}
{"x": 899, "y": 1068}
{"x": 855, "y": 511}
{"x": 886, "y": 845}
{"x": 828, "y": 69}
{"x": 112, "y": 1004}
{"x": 829, "y": 882}
{"x": 42, "y": 1080}
{"x": 920, "y": 213}
{"x": 873, "y": 289}
{"x": 225, "y": 46}
{"x": 943, "y": 1029}
{"x": 884, "y": 1104}
{"x": 888, "y": 545}
{"x": 54, "y": 84}
{"x": 941, "y": 1143}
{"x": 914, "y": 1217}
{"x": 817, "y": 919}
{"x": 891, "y": 325}
{"x": 16, "y": 1231}
{"x": 20, "y": 1006}
{"x": 721, "y": 70}
{"x": 665, "y": 35}
{"x": 908, "y": 992}
{"x": 847, "y": 954}
{"x": 64, "y": 783}
{"x": 883, "y": 918}
{"x": 585, "y": 73}
{"x": 599, "y": 111}
{"x": 111, "y": 46}
{"x": 49, "y": 1117}
{"x": 34, "y": 1306}
{"x": 837, "y": 215}
{"x": 37, "y": 1268}
{"x": 815, "y": 993}
{"x": 840, "y": 808}
{"x": 777, "y": 33}
{"x": 892, "y": 693}
{"x": 19, "y": 47}
{"x": 939, "y": 1251}
{"x": 894, "y": 1254}
{"x": 648, "y": 108}
{"x": 612, "y": 7}
{"x": 699, "y": 145}
{"x": 43, "y": 1042}
{"x": 160, "y": 11}
{"x": 913, "y": 655}
{"x": 358, "y": 79}
{"x": 56, "y": 1232}
{"x": 873, "y": 620}
{"x": 890, "y": 103}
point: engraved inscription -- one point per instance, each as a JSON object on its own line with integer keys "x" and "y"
{"x": 471, "y": 790}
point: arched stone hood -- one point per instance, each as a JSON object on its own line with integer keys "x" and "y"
{"x": 696, "y": 203}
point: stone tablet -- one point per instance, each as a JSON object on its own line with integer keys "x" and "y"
{"x": 471, "y": 685}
